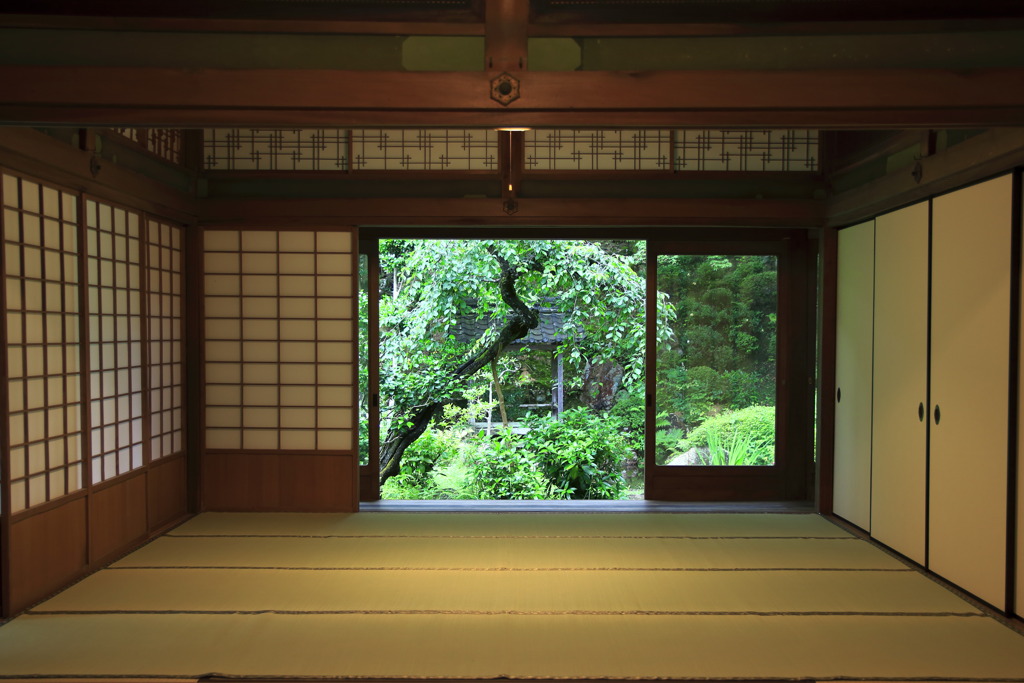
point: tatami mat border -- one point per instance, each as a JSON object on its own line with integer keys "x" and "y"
{"x": 512, "y": 612}
{"x": 529, "y": 569}
{"x": 767, "y": 679}
{"x": 681, "y": 537}
{"x": 220, "y": 678}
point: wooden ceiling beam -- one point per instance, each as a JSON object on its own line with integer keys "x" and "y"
{"x": 985, "y": 155}
{"x": 846, "y": 98}
{"x": 781, "y": 28}
{"x": 225, "y": 25}
{"x": 709, "y": 118}
{"x": 440, "y": 28}
{"x": 490, "y": 211}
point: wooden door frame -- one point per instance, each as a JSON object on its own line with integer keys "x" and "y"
{"x": 797, "y": 247}
{"x": 790, "y": 477}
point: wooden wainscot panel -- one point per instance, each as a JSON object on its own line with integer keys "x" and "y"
{"x": 168, "y": 493}
{"x": 278, "y": 482}
{"x": 239, "y": 482}
{"x": 318, "y": 483}
{"x": 117, "y": 517}
{"x": 48, "y": 550}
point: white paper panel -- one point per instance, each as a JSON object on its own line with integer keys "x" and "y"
{"x": 970, "y": 360}
{"x": 899, "y": 436}
{"x": 285, "y": 298}
{"x": 852, "y": 475}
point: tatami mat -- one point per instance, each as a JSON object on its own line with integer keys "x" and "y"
{"x": 485, "y": 596}
{"x": 509, "y": 553}
{"x": 440, "y": 591}
{"x": 490, "y": 646}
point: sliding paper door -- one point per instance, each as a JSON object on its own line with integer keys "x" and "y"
{"x": 855, "y": 293}
{"x": 899, "y": 424}
{"x": 971, "y": 232}
{"x": 280, "y": 370}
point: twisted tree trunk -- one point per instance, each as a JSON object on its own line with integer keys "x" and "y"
{"x": 406, "y": 429}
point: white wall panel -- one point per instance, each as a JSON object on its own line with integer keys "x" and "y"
{"x": 855, "y": 291}
{"x": 899, "y": 434}
{"x": 970, "y": 362}
{"x": 1019, "y": 609}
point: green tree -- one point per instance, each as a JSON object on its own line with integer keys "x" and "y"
{"x": 427, "y": 285}
{"x": 723, "y": 347}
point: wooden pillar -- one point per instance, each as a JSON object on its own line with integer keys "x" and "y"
{"x": 511, "y": 147}
{"x": 828, "y": 248}
{"x": 5, "y": 447}
{"x": 505, "y": 51}
{"x": 192, "y": 343}
{"x": 505, "y": 31}
{"x": 369, "y": 479}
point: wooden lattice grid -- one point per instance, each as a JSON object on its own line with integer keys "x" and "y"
{"x": 279, "y": 325}
{"x": 43, "y": 350}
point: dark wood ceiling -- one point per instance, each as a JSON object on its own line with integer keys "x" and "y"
{"x": 333, "y": 10}
{"x": 758, "y": 11}
{"x": 542, "y": 11}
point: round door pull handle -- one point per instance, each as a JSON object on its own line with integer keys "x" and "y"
{"x": 938, "y": 415}
{"x": 920, "y": 412}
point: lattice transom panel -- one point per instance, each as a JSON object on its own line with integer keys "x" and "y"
{"x": 746, "y": 150}
{"x": 598, "y": 150}
{"x": 424, "y": 150}
{"x": 327, "y": 149}
{"x": 166, "y": 143}
{"x": 42, "y": 299}
{"x": 280, "y": 334}
{"x": 276, "y": 149}
{"x": 395, "y": 149}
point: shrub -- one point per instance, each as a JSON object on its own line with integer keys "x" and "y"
{"x": 454, "y": 480}
{"x": 628, "y": 410}
{"x": 503, "y": 470}
{"x": 745, "y": 436}
{"x": 434, "y": 446}
{"x": 668, "y": 441}
{"x": 580, "y": 454}
{"x": 408, "y": 487}
{"x": 433, "y": 468}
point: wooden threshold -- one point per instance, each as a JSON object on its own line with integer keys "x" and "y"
{"x": 585, "y": 506}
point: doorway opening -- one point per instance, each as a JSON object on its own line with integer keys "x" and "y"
{"x": 506, "y": 369}
{"x": 667, "y": 365}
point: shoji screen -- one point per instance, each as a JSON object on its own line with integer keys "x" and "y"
{"x": 44, "y": 389}
{"x": 166, "y": 388}
{"x": 113, "y": 249}
{"x": 854, "y": 312}
{"x": 93, "y": 323}
{"x": 279, "y": 316}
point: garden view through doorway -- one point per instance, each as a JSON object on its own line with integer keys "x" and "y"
{"x": 515, "y": 369}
